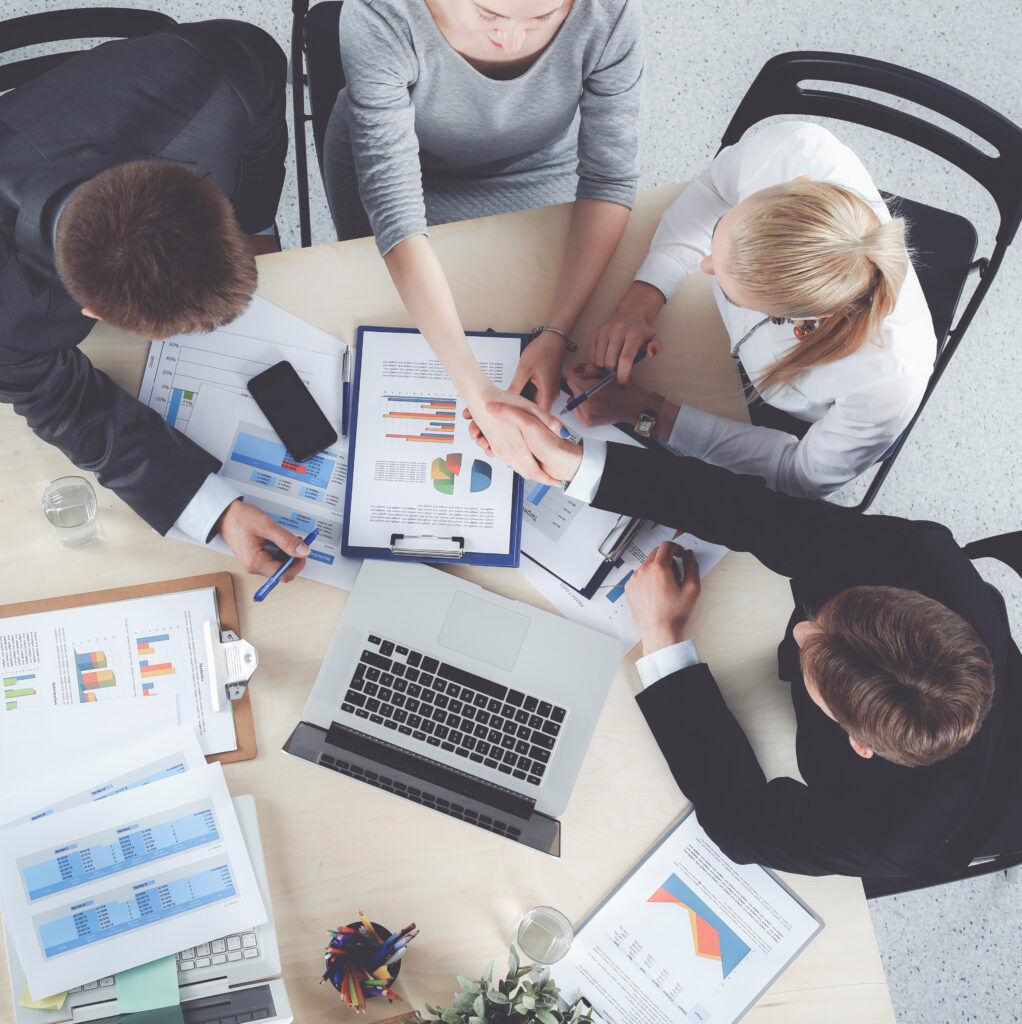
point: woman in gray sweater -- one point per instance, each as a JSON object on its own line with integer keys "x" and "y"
{"x": 458, "y": 109}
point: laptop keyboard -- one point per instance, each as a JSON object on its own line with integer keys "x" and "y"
{"x": 229, "y": 949}
{"x": 444, "y": 706}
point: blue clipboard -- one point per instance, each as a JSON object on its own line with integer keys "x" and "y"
{"x": 410, "y": 547}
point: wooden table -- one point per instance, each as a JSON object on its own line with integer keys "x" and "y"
{"x": 465, "y": 888}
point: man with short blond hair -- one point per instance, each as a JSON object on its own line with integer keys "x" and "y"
{"x": 137, "y": 179}
{"x": 899, "y": 657}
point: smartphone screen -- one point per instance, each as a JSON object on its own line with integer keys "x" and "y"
{"x": 292, "y": 411}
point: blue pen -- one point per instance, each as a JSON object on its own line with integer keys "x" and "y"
{"x": 598, "y": 386}
{"x": 345, "y": 390}
{"x": 284, "y": 566}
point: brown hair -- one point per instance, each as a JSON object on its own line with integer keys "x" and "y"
{"x": 900, "y": 673}
{"x": 156, "y": 250}
{"x": 809, "y": 248}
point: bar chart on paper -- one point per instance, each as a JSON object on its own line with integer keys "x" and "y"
{"x": 418, "y": 420}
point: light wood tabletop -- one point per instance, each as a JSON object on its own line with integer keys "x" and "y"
{"x": 333, "y": 845}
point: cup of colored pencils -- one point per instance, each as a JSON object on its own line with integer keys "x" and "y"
{"x": 363, "y": 960}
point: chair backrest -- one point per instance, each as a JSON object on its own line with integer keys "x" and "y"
{"x": 56, "y": 26}
{"x": 777, "y": 90}
{"x": 323, "y": 62}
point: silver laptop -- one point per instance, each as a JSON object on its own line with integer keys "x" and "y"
{"x": 444, "y": 693}
{"x": 232, "y": 978}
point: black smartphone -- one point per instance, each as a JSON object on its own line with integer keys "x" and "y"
{"x": 292, "y": 411}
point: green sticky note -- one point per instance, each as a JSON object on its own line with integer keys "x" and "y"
{"x": 147, "y": 987}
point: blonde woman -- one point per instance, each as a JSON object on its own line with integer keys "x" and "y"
{"x": 458, "y": 109}
{"x": 823, "y": 309}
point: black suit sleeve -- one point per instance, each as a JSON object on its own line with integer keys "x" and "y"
{"x": 779, "y": 824}
{"x": 791, "y": 536}
{"x": 103, "y": 429}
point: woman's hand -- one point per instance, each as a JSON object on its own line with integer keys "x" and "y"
{"x": 501, "y": 436}
{"x": 614, "y": 404}
{"x": 541, "y": 365}
{"x": 558, "y": 457}
{"x": 661, "y": 598}
{"x": 615, "y": 344}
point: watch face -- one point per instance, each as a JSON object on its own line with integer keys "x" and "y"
{"x": 644, "y": 426}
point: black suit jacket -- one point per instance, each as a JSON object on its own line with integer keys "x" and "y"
{"x": 852, "y": 816}
{"x": 209, "y": 97}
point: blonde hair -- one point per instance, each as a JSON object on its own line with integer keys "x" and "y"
{"x": 809, "y": 248}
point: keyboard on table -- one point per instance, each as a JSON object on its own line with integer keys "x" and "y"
{"x": 458, "y": 711}
{"x": 229, "y": 949}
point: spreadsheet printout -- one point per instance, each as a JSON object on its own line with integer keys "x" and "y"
{"x": 199, "y": 384}
{"x": 100, "y": 888}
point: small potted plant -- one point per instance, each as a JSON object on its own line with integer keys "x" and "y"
{"x": 516, "y": 999}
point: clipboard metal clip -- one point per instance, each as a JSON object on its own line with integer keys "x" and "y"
{"x": 426, "y": 546}
{"x": 231, "y": 662}
{"x": 620, "y": 536}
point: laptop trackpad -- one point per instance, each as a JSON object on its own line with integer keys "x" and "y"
{"x": 484, "y": 630}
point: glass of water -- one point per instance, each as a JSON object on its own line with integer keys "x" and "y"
{"x": 545, "y": 935}
{"x": 69, "y": 503}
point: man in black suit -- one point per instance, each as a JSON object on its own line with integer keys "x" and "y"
{"x": 130, "y": 176}
{"x": 897, "y": 654}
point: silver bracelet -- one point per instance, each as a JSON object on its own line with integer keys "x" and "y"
{"x": 570, "y": 346}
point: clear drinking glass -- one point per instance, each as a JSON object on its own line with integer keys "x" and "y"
{"x": 545, "y": 935}
{"x": 69, "y": 503}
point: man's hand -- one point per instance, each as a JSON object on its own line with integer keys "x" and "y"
{"x": 614, "y": 404}
{"x": 661, "y": 599}
{"x": 541, "y": 365}
{"x": 246, "y": 529}
{"x": 557, "y": 457}
{"x": 502, "y": 437}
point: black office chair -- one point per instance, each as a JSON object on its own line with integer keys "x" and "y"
{"x": 1000, "y": 816}
{"x": 944, "y": 243}
{"x": 56, "y": 26}
{"x": 316, "y": 62}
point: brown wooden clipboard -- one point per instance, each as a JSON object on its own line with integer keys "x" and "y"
{"x": 244, "y": 727}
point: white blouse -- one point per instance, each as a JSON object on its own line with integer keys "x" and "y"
{"x": 858, "y": 405}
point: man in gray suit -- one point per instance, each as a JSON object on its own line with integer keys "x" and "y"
{"x": 136, "y": 182}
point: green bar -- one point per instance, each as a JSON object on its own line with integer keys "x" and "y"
{"x": 11, "y": 705}
{"x": 19, "y": 693}
{"x": 188, "y": 394}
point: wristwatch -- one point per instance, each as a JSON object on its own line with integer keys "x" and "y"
{"x": 646, "y": 422}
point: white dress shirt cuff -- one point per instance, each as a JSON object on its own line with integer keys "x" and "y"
{"x": 586, "y": 481}
{"x": 200, "y": 514}
{"x": 654, "y": 667}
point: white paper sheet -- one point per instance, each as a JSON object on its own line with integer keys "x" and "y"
{"x": 153, "y": 759}
{"x": 107, "y": 886}
{"x": 124, "y": 649}
{"x": 417, "y": 470}
{"x": 34, "y": 742}
{"x": 199, "y": 384}
{"x": 688, "y": 938}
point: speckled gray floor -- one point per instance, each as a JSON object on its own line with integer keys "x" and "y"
{"x": 951, "y": 955}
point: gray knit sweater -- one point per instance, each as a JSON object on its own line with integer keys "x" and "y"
{"x": 432, "y": 139}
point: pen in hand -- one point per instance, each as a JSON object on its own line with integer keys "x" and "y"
{"x": 598, "y": 386}
{"x": 284, "y": 566}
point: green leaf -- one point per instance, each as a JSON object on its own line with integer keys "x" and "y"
{"x": 545, "y": 1017}
{"x": 433, "y": 1010}
{"x": 452, "y": 1018}
{"x": 468, "y": 984}
{"x": 493, "y": 996}
{"x": 479, "y": 1006}
{"x": 512, "y": 960}
{"x": 488, "y": 975}
{"x": 528, "y": 1002}
{"x": 463, "y": 1002}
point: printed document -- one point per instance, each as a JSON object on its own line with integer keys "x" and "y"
{"x": 136, "y": 648}
{"x": 96, "y": 889}
{"x": 561, "y": 539}
{"x": 689, "y": 937}
{"x": 199, "y": 384}
{"x": 417, "y": 471}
